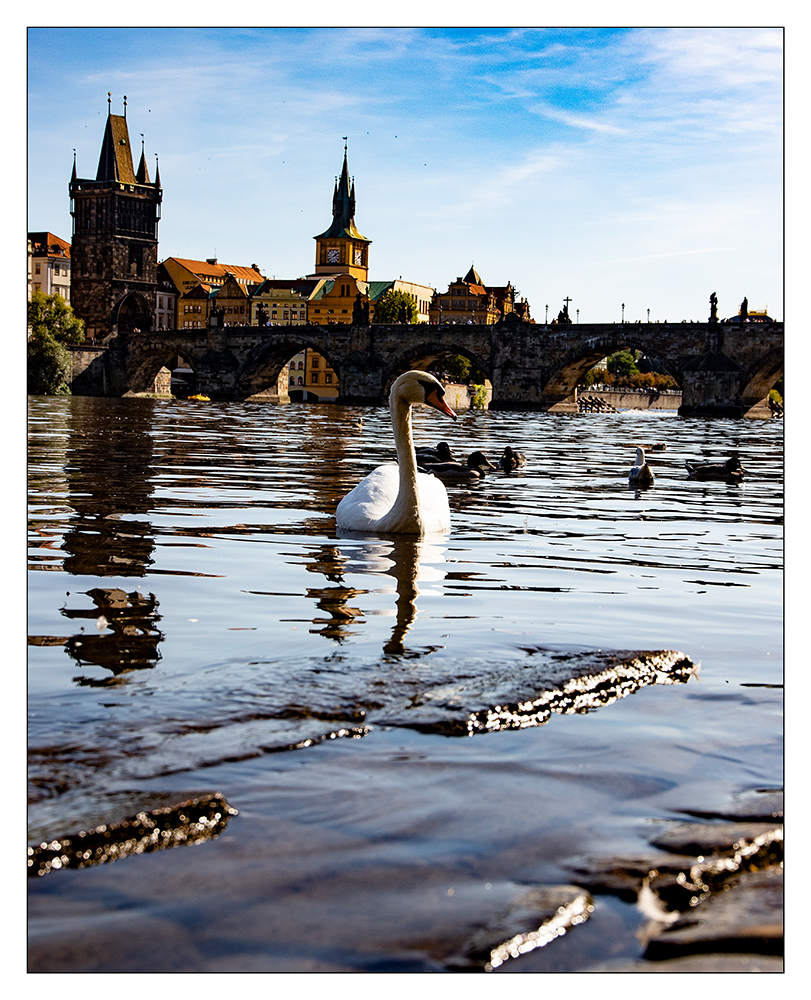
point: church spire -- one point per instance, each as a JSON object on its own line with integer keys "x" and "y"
{"x": 343, "y": 206}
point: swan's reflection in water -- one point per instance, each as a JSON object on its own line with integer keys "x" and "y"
{"x": 410, "y": 561}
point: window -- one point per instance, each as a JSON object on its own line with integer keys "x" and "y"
{"x": 328, "y": 378}
{"x": 316, "y": 362}
{"x": 314, "y": 378}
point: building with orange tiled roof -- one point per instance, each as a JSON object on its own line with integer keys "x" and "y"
{"x": 186, "y": 273}
{"x": 199, "y": 281}
{"x": 469, "y": 300}
{"x": 48, "y": 265}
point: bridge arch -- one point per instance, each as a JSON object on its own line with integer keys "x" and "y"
{"x": 265, "y": 364}
{"x": 145, "y": 364}
{"x": 758, "y": 380}
{"x": 564, "y": 378}
{"x": 426, "y": 353}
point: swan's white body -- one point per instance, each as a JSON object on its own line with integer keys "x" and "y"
{"x": 398, "y": 499}
{"x": 640, "y": 473}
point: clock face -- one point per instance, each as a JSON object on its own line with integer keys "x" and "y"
{"x": 359, "y": 257}
{"x": 332, "y": 255}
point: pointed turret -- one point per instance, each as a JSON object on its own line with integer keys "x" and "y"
{"x": 142, "y": 174}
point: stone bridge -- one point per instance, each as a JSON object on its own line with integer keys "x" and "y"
{"x": 722, "y": 369}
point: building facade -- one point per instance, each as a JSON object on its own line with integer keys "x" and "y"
{"x": 278, "y": 302}
{"x": 469, "y": 300}
{"x": 48, "y": 265}
{"x": 114, "y": 243}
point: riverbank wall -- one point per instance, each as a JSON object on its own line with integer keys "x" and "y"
{"x": 635, "y": 399}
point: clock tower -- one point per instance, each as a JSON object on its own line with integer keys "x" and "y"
{"x": 342, "y": 249}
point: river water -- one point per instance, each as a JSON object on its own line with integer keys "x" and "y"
{"x": 197, "y": 626}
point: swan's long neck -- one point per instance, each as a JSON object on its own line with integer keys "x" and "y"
{"x": 405, "y": 512}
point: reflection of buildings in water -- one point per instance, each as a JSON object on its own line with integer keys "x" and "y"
{"x": 408, "y": 560}
{"x": 132, "y": 642}
{"x": 109, "y": 466}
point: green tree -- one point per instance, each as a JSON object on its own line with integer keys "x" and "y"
{"x": 51, "y": 325}
{"x": 622, "y": 363}
{"x": 395, "y": 307}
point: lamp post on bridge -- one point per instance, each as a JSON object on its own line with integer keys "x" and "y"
{"x": 623, "y": 312}
{"x": 546, "y": 316}
{"x": 649, "y": 315}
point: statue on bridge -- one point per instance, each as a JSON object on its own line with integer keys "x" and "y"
{"x": 744, "y": 309}
{"x": 360, "y": 311}
{"x": 713, "y": 308}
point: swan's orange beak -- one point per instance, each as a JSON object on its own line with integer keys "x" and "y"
{"x": 433, "y": 398}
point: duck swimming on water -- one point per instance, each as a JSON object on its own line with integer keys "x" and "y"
{"x": 730, "y": 471}
{"x": 641, "y": 473}
{"x": 454, "y": 472}
{"x": 442, "y": 453}
{"x": 511, "y": 460}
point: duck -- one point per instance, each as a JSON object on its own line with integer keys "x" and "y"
{"x": 730, "y": 471}
{"x": 511, "y": 460}
{"x": 473, "y": 470}
{"x": 398, "y": 499}
{"x": 641, "y": 473}
{"x": 442, "y": 453}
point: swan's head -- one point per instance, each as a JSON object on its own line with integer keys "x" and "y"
{"x": 640, "y": 456}
{"x": 421, "y": 387}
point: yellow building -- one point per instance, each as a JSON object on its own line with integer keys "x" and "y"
{"x": 186, "y": 273}
{"x": 278, "y": 302}
{"x": 311, "y": 378}
{"x": 232, "y": 303}
{"x": 469, "y": 300}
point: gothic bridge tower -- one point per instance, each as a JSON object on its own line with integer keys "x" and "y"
{"x": 114, "y": 246}
{"x": 342, "y": 249}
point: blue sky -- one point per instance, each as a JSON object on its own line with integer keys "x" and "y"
{"x": 641, "y": 166}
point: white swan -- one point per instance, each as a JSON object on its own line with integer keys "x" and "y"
{"x": 398, "y": 499}
{"x": 641, "y": 473}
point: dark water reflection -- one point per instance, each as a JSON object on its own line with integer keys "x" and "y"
{"x": 191, "y": 610}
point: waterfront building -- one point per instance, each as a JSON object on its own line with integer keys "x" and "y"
{"x": 232, "y": 303}
{"x": 469, "y": 300}
{"x": 278, "y": 302}
{"x": 48, "y": 265}
{"x": 114, "y": 243}
{"x": 197, "y": 283}
{"x": 165, "y": 301}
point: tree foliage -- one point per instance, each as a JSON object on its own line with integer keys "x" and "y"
{"x": 622, "y": 363}
{"x": 51, "y": 325}
{"x": 395, "y": 307}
